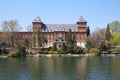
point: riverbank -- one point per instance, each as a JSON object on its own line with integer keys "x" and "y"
{"x": 69, "y": 55}
{"x": 3, "y": 56}
{"x": 63, "y": 55}
{"x": 58, "y": 55}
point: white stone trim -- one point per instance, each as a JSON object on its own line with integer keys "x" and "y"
{"x": 81, "y": 44}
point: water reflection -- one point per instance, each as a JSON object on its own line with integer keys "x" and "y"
{"x": 60, "y": 68}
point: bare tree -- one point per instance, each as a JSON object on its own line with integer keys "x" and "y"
{"x": 10, "y": 29}
{"x": 29, "y": 28}
{"x": 96, "y": 37}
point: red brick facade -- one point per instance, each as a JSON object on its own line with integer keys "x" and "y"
{"x": 54, "y": 33}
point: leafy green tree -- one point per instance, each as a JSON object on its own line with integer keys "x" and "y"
{"x": 88, "y": 31}
{"x": 54, "y": 48}
{"x": 108, "y": 33}
{"x": 74, "y": 40}
{"x": 69, "y": 38}
{"x": 115, "y": 39}
{"x": 70, "y": 41}
{"x": 115, "y": 26}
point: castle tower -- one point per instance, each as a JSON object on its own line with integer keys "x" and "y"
{"x": 37, "y": 24}
{"x": 82, "y": 29}
{"x": 82, "y": 25}
{"x": 37, "y": 27}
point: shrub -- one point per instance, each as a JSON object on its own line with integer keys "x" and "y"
{"x": 54, "y": 48}
{"x": 62, "y": 52}
{"x": 116, "y": 50}
{"x": 53, "y": 52}
{"x": 94, "y": 51}
{"x": 70, "y": 49}
{"x": 44, "y": 52}
{"x": 46, "y": 49}
{"x": 18, "y": 52}
{"x": 13, "y": 53}
{"x": 78, "y": 50}
{"x": 86, "y": 50}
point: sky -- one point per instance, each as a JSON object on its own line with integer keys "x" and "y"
{"x": 98, "y": 13}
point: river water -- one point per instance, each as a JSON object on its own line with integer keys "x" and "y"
{"x": 60, "y": 68}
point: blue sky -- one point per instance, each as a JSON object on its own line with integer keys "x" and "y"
{"x": 98, "y": 13}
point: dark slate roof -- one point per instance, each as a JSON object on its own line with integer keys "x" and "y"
{"x": 59, "y": 27}
{"x": 81, "y": 19}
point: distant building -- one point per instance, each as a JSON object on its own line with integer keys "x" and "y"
{"x": 54, "y": 33}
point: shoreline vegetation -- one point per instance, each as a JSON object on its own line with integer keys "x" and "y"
{"x": 69, "y": 55}
{"x": 62, "y": 55}
{"x": 82, "y": 52}
{"x": 102, "y": 42}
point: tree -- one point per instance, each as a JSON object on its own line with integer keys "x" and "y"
{"x": 28, "y": 40}
{"x": 115, "y": 26}
{"x": 115, "y": 39}
{"x": 69, "y": 38}
{"x": 34, "y": 39}
{"x": 41, "y": 39}
{"x": 54, "y": 48}
{"x": 70, "y": 49}
{"x": 29, "y": 28}
{"x": 88, "y": 31}
{"x": 9, "y": 28}
{"x": 74, "y": 40}
{"x": 105, "y": 46}
{"x": 89, "y": 43}
{"x": 64, "y": 48}
{"x": 70, "y": 41}
{"x": 96, "y": 37}
{"x": 108, "y": 33}
{"x": 78, "y": 50}
{"x": 26, "y": 43}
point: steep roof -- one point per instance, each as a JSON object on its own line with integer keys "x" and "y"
{"x": 37, "y": 19}
{"x": 59, "y": 27}
{"x": 81, "y": 19}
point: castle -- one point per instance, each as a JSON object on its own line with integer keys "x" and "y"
{"x": 54, "y": 33}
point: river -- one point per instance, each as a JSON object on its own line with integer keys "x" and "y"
{"x": 60, "y": 68}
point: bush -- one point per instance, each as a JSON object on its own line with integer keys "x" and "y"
{"x": 78, "y": 50}
{"x": 44, "y": 52}
{"x": 46, "y": 49}
{"x": 94, "y": 51}
{"x": 18, "y": 52}
{"x": 116, "y": 50}
{"x": 62, "y": 52}
{"x": 70, "y": 49}
{"x": 21, "y": 51}
{"x": 13, "y": 53}
{"x": 86, "y": 50}
{"x": 53, "y": 52}
{"x": 105, "y": 46}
